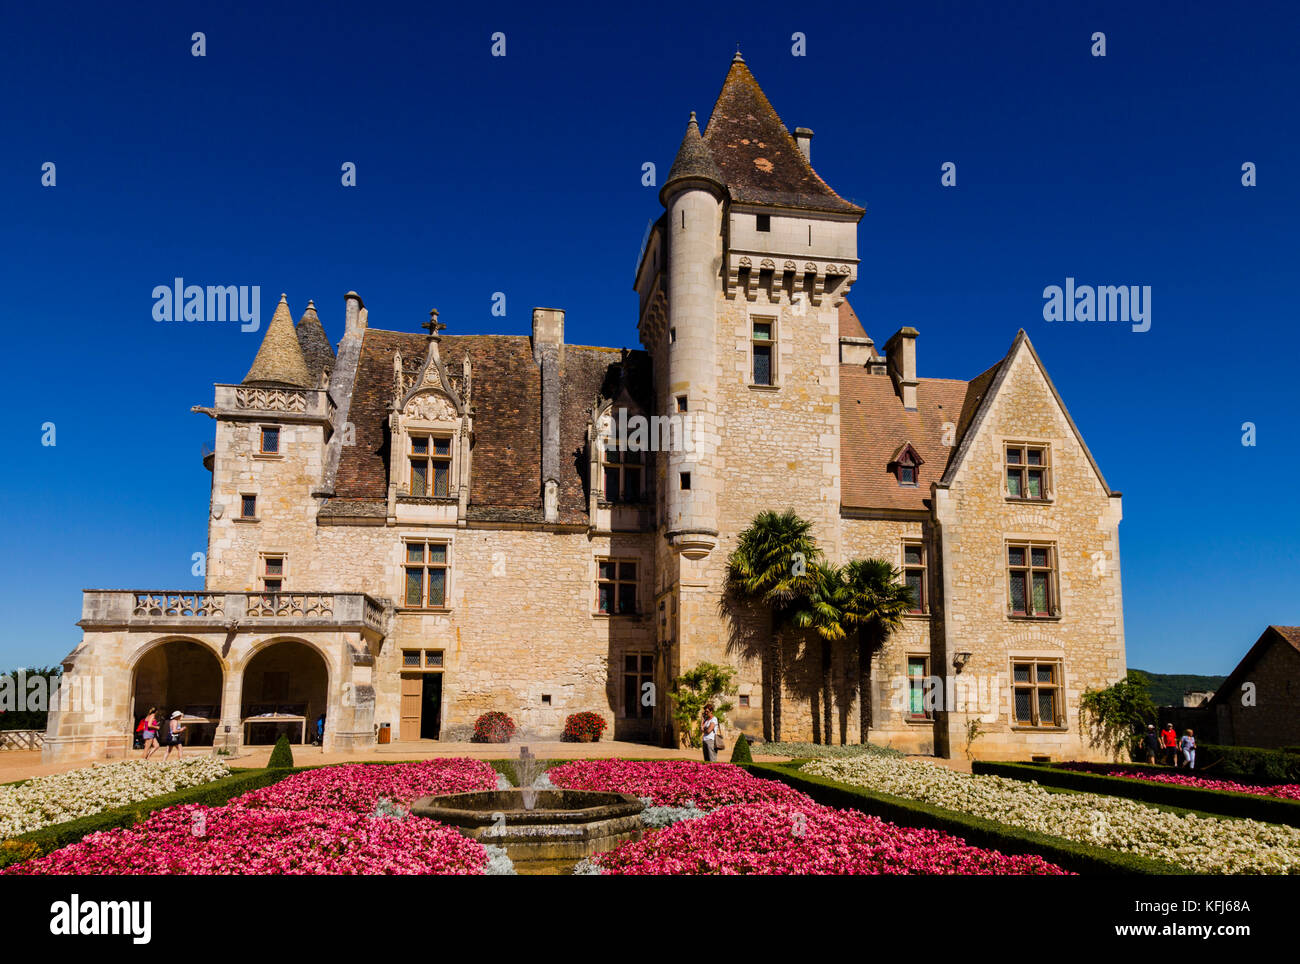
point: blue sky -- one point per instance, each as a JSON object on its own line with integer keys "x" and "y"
{"x": 522, "y": 174}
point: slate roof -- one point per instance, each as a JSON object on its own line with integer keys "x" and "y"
{"x": 874, "y": 426}
{"x": 506, "y": 397}
{"x": 279, "y": 360}
{"x": 693, "y": 160}
{"x": 758, "y": 157}
{"x": 315, "y": 344}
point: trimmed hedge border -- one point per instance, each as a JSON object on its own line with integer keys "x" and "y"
{"x": 978, "y": 832}
{"x": 1219, "y": 803}
{"x": 38, "y": 843}
{"x": 1249, "y": 763}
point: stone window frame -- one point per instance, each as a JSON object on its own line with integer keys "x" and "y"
{"x": 605, "y": 464}
{"x": 405, "y": 564}
{"x": 773, "y": 344}
{"x": 1057, "y": 684}
{"x": 916, "y": 542}
{"x": 430, "y": 457}
{"x": 925, "y": 716}
{"x": 262, "y": 451}
{"x": 257, "y": 507}
{"x": 262, "y": 558}
{"x": 1047, "y": 467}
{"x": 1053, "y": 582}
{"x": 635, "y": 582}
{"x": 642, "y": 676}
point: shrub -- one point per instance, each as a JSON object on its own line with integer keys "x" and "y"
{"x": 1249, "y": 763}
{"x": 706, "y": 683}
{"x": 740, "y": 751}
{"x": 586, "y": 724}
{"x": 282, "y": 755}
{"x": 493, "y": 727}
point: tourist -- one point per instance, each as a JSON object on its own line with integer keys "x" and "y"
{"x": 1169, "y": 738}
{"x": 174, "y": 738}
{"x": 1151, "y": 744}
{"x": 149, "y": 731}
{"x": 320, "y": 730}
{"x": 709, "y": 729}
{"x": 1187, "y": 747}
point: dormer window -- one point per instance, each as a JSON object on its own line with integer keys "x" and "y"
{"x": 623, "y": 474}
{"x": 906, "y": 465}
{"x": 430, "y": 460}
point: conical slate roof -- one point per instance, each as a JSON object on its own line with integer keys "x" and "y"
{"x": 280, "y": 361}
{"x": 315, "y": 344}
{"x": 757, "y": 156}
{"x": 693, "y": 160}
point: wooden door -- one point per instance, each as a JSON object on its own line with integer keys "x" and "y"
{"x": 412, "y": 696}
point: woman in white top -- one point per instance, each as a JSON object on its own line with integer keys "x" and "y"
{"x": 710, "y": 731}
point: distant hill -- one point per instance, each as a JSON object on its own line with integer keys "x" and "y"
{"x": 1167, "y": 689}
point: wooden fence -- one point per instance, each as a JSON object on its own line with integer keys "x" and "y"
{"x": 22, "y": 739}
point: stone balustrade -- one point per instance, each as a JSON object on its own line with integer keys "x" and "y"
{"x": 283, "y": 404}
{"x": 199, "y": 610}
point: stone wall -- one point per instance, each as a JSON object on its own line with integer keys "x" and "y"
{"x": 1274, "y": 719}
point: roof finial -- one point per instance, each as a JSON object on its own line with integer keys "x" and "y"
{"x": 432, "y": 326}
{"x": 311, "y": 305}
{"x": 737, "y": 59}
{"x": 284, "y": 298}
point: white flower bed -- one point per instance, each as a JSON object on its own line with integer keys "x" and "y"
{"x": 79, "y": 793}
{"x": 1205, "y": 845}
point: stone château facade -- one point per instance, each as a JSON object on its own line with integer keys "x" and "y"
{"x": 417, "y": 527}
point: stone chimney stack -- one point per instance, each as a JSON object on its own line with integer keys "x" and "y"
{"x": 900, "y": 360}
{"x": 803, "y": 137}
{"x": 548, "y": 352}
{"x": 354, "y": 315}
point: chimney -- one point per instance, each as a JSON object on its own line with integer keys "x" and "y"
{"x": 900, "y": 360}
{"x": 354, "y": 315}
{"x": 803, "y": 137}
{"x": 548, "y": 352}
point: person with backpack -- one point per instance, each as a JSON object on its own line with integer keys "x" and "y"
{"x": 149, "y": 731}
{"x": 174, "y": 738}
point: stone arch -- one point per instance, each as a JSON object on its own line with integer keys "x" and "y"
{"x": 283, "y": 676}
{"x": 179, "y": 673}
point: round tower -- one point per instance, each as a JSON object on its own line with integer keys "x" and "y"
{"x": 692, "y": 196}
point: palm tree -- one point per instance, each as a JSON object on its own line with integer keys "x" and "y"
{"x": 874, "y": 601}
{"x": 822, "y": 611}
{"x": 772, "y": 565}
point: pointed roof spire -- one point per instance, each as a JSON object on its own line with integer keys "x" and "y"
{"x": 280, "y": 361}
{"x": 315, "y": 344}
{"x": 758, "y": 157}
{"x": 693, "y": 161}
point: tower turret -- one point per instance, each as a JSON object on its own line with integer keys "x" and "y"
{"x": 693, "y": 196}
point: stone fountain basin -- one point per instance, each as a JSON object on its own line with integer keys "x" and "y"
{"x": 563, "y": 824}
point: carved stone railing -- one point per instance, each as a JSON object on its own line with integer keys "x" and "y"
{"x": 202, "y": 611}
{"x": 283, "y": 404}
{"x": 271, "y": 399}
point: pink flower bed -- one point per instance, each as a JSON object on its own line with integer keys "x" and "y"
{"x": 774, "y": 838}
{"x": 359, "y": 786}
{"x": 193, "y": 839}
{"x": 1287, "y": 791}
{"x": 670, "y": 783}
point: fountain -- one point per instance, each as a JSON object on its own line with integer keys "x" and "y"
{"x": 543, "y": 829}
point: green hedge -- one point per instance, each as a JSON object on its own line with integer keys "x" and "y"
{"x": 976, "y": 831}
{"x": 1250, "y": 763}
{"x": 1215, "y": 803}
{"x": 36, "y": 843}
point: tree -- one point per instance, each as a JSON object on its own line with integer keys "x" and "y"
{"x": 822, "y": 611}
{"x": 771, "y": 565}
{"x": 1117, "y": 713}
{"x": 873, "y": 601}
{"x": 706, "y": 683}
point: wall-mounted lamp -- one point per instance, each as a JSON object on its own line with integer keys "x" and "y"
{"x": 959, "y": 661}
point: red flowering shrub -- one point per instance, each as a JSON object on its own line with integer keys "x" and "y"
{"x": 359, "y": 786}
{"x": 785, "y": 838}
{"x": 493, "y": 727}
{"x": 584, "y": 727}
{"x": 671, "y": 783}
{"x": 233, "y": 839}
